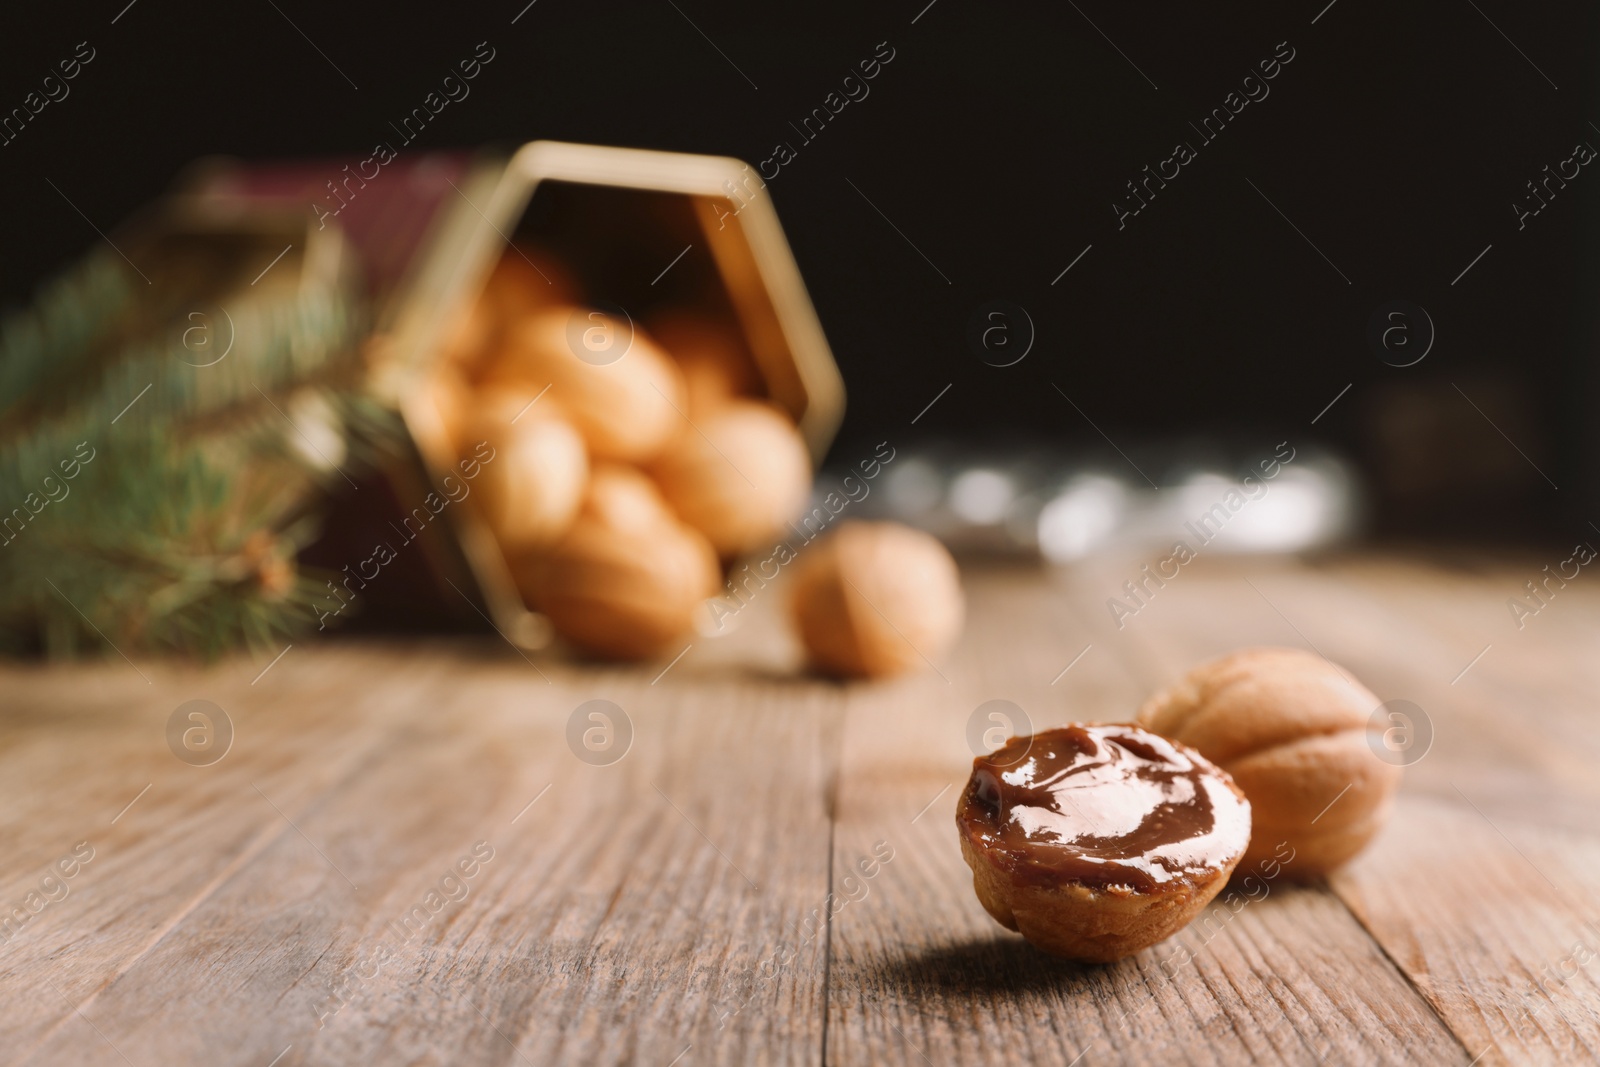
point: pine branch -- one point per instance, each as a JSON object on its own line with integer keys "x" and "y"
{"x": 70, "y": 313}
{"x": 158, "y": 504}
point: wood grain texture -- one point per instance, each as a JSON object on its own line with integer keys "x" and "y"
{"x": 76, "y": 759}
{"x": 770, "y": 874}
{"x": 1497, "y": 924}
{"x": 627, "y": 912}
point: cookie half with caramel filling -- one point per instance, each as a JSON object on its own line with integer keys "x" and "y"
{"x": 1094, "y": 842}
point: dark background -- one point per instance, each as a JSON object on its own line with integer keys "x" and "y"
{"x": 997, "y": 140}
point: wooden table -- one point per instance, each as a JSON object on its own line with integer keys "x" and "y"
{"x": 305, "y": 897}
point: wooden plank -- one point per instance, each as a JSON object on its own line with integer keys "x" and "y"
{"x": 85, "y": 759}
{"x": 1496, "y": 924}
{"x": 1518, "y": 704}
{"x": 921, "y": 974}
{"x": 626, "y": 914}
{"x": 1475, "y": 887}
{"x": 1505, "y": 952}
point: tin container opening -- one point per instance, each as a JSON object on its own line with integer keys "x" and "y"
{"x": 642, "y": 235}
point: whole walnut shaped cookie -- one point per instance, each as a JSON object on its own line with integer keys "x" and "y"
{"x": 875, "y": 599}
{"x": 1292, "y": 730}
{"x": 1094, "y": 842}
{"x": 625, "y": 579}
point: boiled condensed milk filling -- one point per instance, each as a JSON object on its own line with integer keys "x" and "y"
{"x": 1103, "y": 806}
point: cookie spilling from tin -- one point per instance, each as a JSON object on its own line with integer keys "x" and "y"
{"x": 1094, "y": 842}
